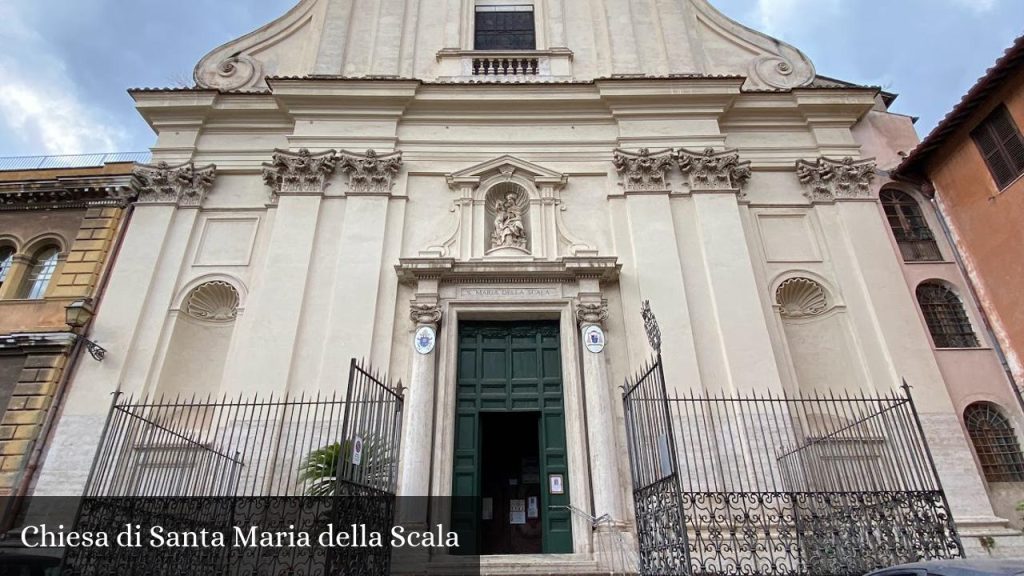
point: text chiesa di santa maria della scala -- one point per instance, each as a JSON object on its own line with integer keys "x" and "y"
{"x": 133, "y": 536}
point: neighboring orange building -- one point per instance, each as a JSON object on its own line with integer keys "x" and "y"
{"x": 59, "y": 227}
{"x": 972, "y": 162}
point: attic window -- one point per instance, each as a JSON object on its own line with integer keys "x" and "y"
{"x": 1000, "y": 143}
{"x": 505, "y": 27}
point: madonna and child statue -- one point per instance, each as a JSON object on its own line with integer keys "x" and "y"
{"x": 509, "y": 229}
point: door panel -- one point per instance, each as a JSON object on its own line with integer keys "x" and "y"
{"x": 510, "y": 367}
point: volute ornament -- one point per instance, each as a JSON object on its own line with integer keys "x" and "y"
{"x": 827, "y": 179}
{"x": 301, "y": 172}
{"x": 643, "y": 170}
{"x": 710, "y": 170}
{"x": 182, "y": 184}
{"x": 423, "y": 313}
{"x": 591, "y": 312}
{"x": 370, "y": 172}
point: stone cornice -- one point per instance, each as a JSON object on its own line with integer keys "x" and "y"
{"x": 184, "y": 185}
{"x": 71, "y": 192}
{"x": 568, "y": 269}
{"x": 828, "y": 180}
{"x": 25, "y": 340}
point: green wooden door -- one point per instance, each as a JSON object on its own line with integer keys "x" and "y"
{"x": 504, "y": 367}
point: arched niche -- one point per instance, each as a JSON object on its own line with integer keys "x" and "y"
{"x": 507, "y": 225}
{"x": 202, "y": 326}
{"x": 822, "y": 348}
{"x": 536, "y": 195}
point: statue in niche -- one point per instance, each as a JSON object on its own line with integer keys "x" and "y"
{"x": 509, "y": 230}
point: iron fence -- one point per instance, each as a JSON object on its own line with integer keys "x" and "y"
{"x": 278, "y": 464}
{"x": 818, "y": 484}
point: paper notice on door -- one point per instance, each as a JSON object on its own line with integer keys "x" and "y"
{"x": 487, "y": 509}
{"x": 531, "y": 507}
{"x": 517, "y": 511}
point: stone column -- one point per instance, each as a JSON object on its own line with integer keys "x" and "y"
{"x": 417, "y": 429}
{"x": 591, "y": 312}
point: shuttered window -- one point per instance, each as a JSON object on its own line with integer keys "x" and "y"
{"x": 505, "y": 28}
{"x": 1002, "y": 146}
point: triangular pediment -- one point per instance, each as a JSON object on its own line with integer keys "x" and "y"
{"x": 507, "y": 165}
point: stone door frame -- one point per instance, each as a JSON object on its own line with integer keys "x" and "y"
{"x": 548, "y": 308}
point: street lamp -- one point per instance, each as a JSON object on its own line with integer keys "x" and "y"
{"x": 77, "y": 315}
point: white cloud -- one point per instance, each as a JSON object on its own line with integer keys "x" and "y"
{"x": 38, "y": 100}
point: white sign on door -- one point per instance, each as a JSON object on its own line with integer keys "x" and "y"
{"x": 517, "y": 511}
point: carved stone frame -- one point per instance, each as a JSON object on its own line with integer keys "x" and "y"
{"x": 564, "y": 310}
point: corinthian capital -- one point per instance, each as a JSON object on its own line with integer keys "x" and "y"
{"x": 299, "y": 172}
{"x": 826, "y": 179}
{"x": 181, "y": 184}
{"x": 710, "y": 170}
{"x": 370, "y": 172}
{"x": 424, "y": 313}
{"x": 643, "y": 170}
{"x": 592, "y": 312}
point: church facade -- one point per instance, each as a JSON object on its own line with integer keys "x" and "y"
{"x": 477, "y": 197}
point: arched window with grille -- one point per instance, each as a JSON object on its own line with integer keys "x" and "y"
{"x": 945, "y": 316}
{"x": 41, "y": 271}
{"x": 915, "y": 238}
{"x": 995, "y": 443}
{"x": 6, "y": 260}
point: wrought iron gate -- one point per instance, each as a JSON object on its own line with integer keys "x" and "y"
{"x": 280, "y": 464}
{"x": 820, "y": 484}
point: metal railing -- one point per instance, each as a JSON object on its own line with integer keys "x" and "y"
{"x": 70, "y": 160}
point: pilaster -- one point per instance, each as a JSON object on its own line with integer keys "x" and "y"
{"x": 656, "y": 265}
{"x": 262, "y": 361}
{"x": 716, "y": 181}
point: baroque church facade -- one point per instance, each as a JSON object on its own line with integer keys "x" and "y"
{"x": 460, "y": 191}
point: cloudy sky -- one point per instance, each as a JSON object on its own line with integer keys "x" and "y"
{"x": 65, "y": 64}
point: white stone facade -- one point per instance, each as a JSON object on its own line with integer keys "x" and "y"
{"x": 660, "y": 152}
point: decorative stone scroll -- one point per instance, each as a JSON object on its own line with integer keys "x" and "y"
{"x": 369, "y": 172}
{"x": 181, "y": 184}
{"x": 424, "y": 313}
{"x": 301, "y": 172}
{"x": 215, "y": 301}
{"x": 827, "y": 180}
{"x": 800, "y": 298}
{"x": 710, "y": 170}
{"x": 643, "y": 171}
{"x": 592, "y": 312}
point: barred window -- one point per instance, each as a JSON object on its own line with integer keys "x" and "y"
{"x": 6, "y": 259}
{"x": 43, "y": 266}
{"x": 945, "y": 316}
{"x": 1000, "y": 143}
{"x": 504, "y": 28}
{"x": 995, "y": 443}
{"x": 909, "y": 227}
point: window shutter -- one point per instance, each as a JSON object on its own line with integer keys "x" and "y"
{"x": 1002, "y": 146}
